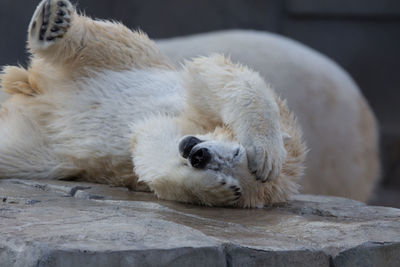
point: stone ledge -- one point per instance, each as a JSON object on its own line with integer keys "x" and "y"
{"x": 54, "y": 223}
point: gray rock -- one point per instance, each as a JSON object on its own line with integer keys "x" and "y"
{"x": 54, "y": 223}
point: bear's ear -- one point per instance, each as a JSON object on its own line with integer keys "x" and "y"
{"x": 15, "y": 80}
{"x": 285, "y": 137}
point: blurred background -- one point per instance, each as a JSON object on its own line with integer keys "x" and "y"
{"x": 363, "y": 36}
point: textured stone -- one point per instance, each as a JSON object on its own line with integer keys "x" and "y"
{"x": 54, "y": 223}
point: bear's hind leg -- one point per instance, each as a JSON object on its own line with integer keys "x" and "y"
{"x": 62, "y": 37}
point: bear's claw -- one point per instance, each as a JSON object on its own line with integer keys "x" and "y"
{"x": 226, "y": 193}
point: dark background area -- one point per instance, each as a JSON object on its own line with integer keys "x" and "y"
{"x": 363, "y": 36}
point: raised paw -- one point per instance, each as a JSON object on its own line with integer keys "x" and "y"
{"x": 49, "y": 23}
{"x": 266, "y": 159}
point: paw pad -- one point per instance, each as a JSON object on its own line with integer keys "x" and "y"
{"x": 50, "y": 22}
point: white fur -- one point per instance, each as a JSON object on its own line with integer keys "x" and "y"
{"x": 81, "y": 111}
{"x": 101, "y": 131}
{"x": 89, "y": 122}
{"x": 3, "y": 97}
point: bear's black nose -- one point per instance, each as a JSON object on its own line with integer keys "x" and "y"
{"x": 199, "y": 158}
{"x": 187, "y": 144}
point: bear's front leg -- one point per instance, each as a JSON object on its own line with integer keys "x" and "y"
{"x": 224, "y": 93}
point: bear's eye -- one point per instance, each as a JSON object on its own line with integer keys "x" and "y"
{"x": 187, "y": 144}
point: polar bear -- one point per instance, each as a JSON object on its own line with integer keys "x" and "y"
{"x": 339, "y": 126}
{"x": 100, "y": 103}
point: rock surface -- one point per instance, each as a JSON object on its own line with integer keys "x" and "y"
{"x": 58, "y": 223}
